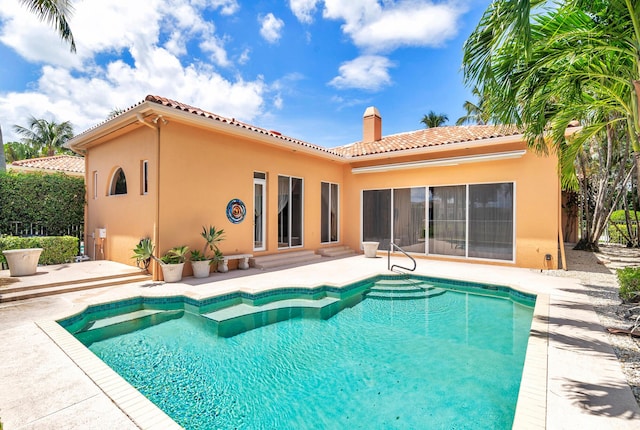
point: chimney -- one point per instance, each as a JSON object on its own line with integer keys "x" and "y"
{"x": 371, "y": 125}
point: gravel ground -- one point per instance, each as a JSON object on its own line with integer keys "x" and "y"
{"x": 596, "y": 272}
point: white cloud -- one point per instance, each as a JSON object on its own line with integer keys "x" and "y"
{"x": 303, "y": 9}
{"x": 368, "y": 72}
{"x": 157, "y": 34}
{"x": 271, "y": 28}
{"x": 378, "y": 28}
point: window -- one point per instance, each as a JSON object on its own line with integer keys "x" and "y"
{"x": 95, "y": 184}
{"x": 118, "y": 183}
{"x": 260, "y": 210}
{"x": 447, "y": 220}
{"x": 491, "y": 221}
{"x": 144, "y": 176}
{"x": 376, "y": 213}
{"x": 329, "y": 198}
{"x": 290, "y": 196}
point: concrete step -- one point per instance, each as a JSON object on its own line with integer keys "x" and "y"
{"x": 284, "y": 259}
{"x": 21, "y": 287}
{"x": 336, "y": 251}
{"x": 21, "y": 293}
{"x": 243, "y": 317}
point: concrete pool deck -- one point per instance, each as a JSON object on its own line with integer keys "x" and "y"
{"x": 572, "y": 378}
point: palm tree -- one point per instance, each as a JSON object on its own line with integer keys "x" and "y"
{"x": 55, "y": 13}
{"x": 433, "y": 119}
{"x": 45, "y": 136}
{"x": 543, "y": 67}
{"x": 476, "y": 113}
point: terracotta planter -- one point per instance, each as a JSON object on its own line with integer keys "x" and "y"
{"x": 200, "y": 268}
{"x": 370, "y": 249}
{"x": 172, "y": 272}
{"x": 22, "y": 262}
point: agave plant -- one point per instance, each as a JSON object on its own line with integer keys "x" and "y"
{"x": 212, "y": 237}
{"x": 175, "y": 255}
{"x": 143, "y": 253}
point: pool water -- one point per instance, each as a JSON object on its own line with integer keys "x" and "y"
{"x": 447, "y": 361}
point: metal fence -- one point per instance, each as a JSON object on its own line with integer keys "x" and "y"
{"x": 612, "y": 234}
{"x": 26, "y": 229}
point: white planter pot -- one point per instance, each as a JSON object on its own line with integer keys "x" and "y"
{"x": 22, "y": 262}
{"x": 172, "y": 272}
{"x": 370, "y": 249}
{"x": 200, "y": 268}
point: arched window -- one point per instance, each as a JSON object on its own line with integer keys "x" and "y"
{"x": 118, "y": 183}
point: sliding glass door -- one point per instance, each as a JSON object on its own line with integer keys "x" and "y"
{"x": 376, "y": 217}
{"x": 409, "y": 216}
{"x": 290, "y": 216}
{"x": 447, "y": 220}
{"x": 491, "y": 221}
{"x": 475, "y": 220}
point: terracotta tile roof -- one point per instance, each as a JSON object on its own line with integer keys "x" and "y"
{"x": 428, "y": 137}
{"x": 61, "y": 163}
{"x": 232, "y": 121}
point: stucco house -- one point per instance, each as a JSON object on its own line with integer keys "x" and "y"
{"x": 163, "y": 169}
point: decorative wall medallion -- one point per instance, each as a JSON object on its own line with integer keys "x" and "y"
{"x": 236, "y": 211}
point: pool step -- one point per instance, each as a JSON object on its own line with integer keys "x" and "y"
{"x": 243, "y": 317}
{"x": 125, "y": 323}
{"x": 402, "y": 289}
{"x": 434, "y": 292}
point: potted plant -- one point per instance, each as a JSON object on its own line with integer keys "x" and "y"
{"x": 171, "y": 263}
{"x": 200, "y": 264}
{"x": 212, "y": 237}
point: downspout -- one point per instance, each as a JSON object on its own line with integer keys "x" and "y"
{"x": 156, "y": 228}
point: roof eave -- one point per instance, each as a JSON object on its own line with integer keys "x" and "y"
{"x": 79, "y": 143}
{"x": 440, "y": 148}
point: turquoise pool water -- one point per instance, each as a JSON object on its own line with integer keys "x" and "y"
{"x": 451, "y": 360}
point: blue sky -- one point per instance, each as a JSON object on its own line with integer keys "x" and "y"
{"x": 306, "y": 68}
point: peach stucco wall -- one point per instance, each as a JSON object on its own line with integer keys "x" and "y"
{"x": 201, "y": 170}
{"x": 536, "y": 199}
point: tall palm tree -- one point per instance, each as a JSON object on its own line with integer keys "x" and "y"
{"x": 45, "y": 136}
{"x": 544, "y": 64}
{"x": 476, "y": 112}
{"x": 433, "y": 119}
{"x": 55, "y": 13}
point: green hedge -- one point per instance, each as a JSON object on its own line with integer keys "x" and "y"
{"x": 56, "y": 249}
{"x": 629, "y": 280}
{"x": 54, "y": 201}
{"x": 618, "y": 226}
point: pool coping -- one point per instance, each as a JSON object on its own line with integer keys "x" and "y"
{"x": 531, "y": 407}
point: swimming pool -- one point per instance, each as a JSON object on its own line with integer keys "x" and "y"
{"x": 448, "y": 355}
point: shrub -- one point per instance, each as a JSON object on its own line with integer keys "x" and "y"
{"x": 55, "y": 201}
{"x": 629, "y": 280}
{"x": 56, "y": 249}
{"x": 617, "y": 227}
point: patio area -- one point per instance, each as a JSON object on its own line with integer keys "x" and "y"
{"x": 572, "y": 378}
